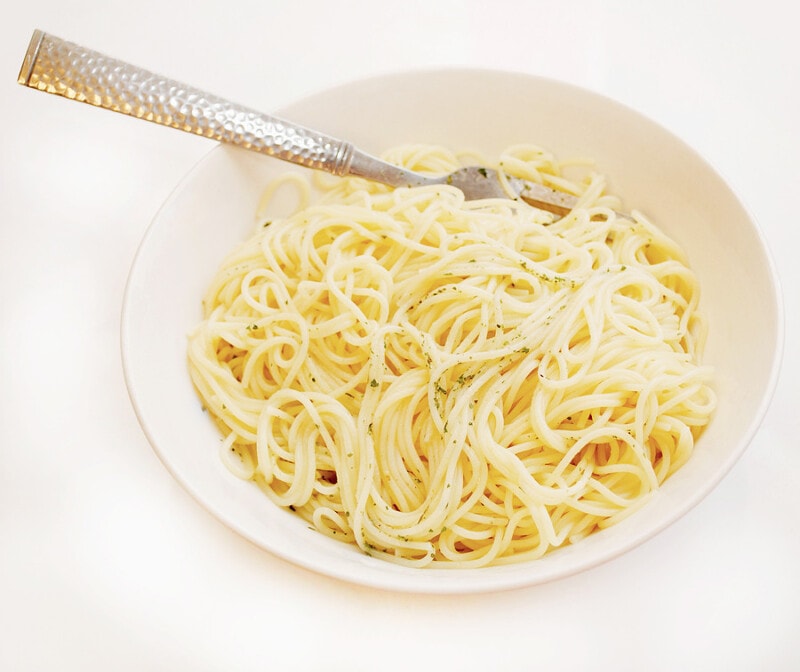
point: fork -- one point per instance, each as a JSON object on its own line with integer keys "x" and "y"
{"x": 66, "y": 69}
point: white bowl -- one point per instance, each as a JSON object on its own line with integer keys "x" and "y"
{"x": 212, "y": 210}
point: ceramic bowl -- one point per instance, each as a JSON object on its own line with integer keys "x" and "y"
{"x": 213, "y": 208}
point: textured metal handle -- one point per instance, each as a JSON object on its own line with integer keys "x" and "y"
{"x": 56, "y": 66}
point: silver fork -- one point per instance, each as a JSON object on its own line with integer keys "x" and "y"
{"x": 69, "y": 70}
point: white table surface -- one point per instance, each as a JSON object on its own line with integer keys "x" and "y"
{"x": 107, "y": 564}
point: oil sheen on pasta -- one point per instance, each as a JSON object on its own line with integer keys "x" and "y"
{"x": 451, "y": 383}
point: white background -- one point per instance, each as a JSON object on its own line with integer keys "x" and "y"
{"x": 107, "y": 564}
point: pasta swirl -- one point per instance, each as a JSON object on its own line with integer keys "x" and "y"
{"x": 454, "y": 383}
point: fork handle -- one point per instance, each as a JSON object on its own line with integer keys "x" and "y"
{"x": 66, "y": 69}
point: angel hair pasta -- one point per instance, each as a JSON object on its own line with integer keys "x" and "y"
{"x": 452, "y": 383}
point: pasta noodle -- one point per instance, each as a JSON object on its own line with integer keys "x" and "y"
{"x": 452, "y": 383}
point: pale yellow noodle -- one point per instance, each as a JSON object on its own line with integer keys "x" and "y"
{"x": 451, "y": 383}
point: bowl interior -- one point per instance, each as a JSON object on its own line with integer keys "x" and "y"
{"x": 213, "y": 209}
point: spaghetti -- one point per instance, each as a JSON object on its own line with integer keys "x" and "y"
{"x": 454, "y": 383}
